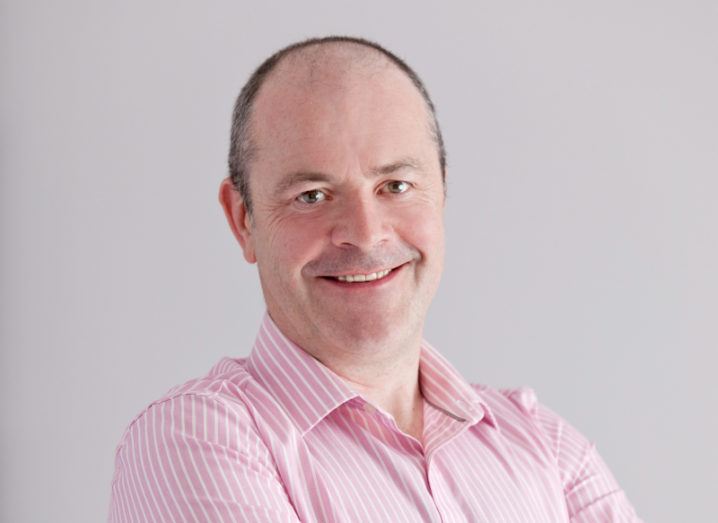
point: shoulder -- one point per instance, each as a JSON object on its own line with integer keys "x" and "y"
{"x": 222, "y": 391}
{"x": 521, "y": 402}
{"x": 518, "y": 401}
{"x": 196, "y": 454}
{"x": 520, "y": 407}
{"x": 522, "y": 418}
{"x": 591, "y": 491}
{"x": 523, "y": 398}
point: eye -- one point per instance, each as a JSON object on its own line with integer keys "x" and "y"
{"x": 313, "y": 196}
{"x": 397, "y": 186}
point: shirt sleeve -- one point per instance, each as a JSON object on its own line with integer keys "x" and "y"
{"x": 196, "y": 457}
{"x": 592, "y": 493}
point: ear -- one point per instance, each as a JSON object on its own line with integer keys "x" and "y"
{"x": 239, "y": 220}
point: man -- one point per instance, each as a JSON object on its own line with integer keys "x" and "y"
{"x": 342, "y": 412}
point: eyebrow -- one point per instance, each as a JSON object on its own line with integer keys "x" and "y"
{"x": 291, "y": 179}
{"x": 403, "y": 163}
{"x": 294, "y": 178}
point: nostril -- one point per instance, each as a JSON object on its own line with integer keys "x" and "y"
{"x": 362, "y": 230}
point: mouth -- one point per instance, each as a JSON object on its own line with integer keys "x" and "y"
{"x": 360, "y": 278}
{"x": 364, "y": 280}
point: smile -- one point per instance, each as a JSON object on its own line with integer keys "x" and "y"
{"x": 351, "y": 278}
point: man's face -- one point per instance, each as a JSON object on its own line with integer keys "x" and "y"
{"x": 346, "y": 186}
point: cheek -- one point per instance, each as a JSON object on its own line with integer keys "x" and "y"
{"x": 289, "y": 244}
{"x": 424, "y": 229}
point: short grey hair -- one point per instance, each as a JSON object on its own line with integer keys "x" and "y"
{"x": 241, "y": 148}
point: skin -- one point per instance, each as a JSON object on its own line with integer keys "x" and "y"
{"x": 346, "y": 181}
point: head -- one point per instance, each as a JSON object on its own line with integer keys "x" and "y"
{"x": 242, "y": 148}
{"x": 337, "y": 172}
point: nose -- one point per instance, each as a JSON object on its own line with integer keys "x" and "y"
{"x": 360, "y": 223}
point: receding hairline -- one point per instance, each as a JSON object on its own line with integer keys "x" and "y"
{"x": 320, "y": 60}
{"x": 344, "y": 57}
{"x": 348, "y": 54}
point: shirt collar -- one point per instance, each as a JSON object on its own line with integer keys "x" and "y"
{"x": 446, "y": 389}
{"x": 308, "y": 390}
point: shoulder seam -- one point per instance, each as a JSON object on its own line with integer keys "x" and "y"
{"x": 172, "y": 394}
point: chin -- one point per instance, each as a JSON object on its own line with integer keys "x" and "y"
{"x": 360, "y": 330}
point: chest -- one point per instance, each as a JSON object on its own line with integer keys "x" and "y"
{"x": 359, "y": 468}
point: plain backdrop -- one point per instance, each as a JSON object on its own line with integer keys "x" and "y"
{"x": 581, "y": 221}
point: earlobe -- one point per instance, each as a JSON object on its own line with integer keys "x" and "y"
{"x": 237, "y": 217}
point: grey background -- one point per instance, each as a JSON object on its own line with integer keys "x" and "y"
{"x": 581, "y": 220}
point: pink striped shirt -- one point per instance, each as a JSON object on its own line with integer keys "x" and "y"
{"x": 277, "y": 436}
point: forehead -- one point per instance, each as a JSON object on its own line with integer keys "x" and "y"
{"x": 324, "y": 106}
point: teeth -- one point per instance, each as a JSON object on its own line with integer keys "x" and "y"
{"x": 351, "y": 278}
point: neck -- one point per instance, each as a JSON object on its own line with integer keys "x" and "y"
{"x": 383, "y": 368}
{"x": 385, "y": 374}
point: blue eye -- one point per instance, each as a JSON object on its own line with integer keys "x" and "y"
{"x": 313, "y": 196}
{"x": 397, "y": 186}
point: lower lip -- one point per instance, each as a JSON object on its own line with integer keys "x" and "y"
{"x": 366, "y": 284}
